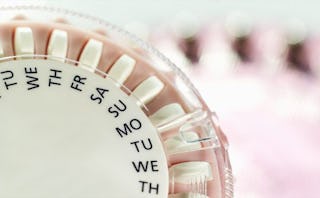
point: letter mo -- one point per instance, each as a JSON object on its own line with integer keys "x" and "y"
{"x": 129, "y": 127}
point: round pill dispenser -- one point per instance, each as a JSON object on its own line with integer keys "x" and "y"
{"x": 89, "y": 110}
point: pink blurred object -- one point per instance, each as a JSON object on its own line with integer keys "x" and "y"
{"x": 273, "y": 127}
{"x": 268, "y": 105}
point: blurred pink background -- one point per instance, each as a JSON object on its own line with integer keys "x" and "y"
{"x": 263, "y": 80}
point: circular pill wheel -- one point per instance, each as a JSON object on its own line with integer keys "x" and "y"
{"x": 89, "y": 110}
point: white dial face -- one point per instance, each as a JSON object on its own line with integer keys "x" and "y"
{"x": 65, "y": 132}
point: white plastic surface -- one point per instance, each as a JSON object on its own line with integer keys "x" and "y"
{"x": 58, "y": 141}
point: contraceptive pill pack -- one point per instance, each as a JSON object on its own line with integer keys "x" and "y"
{"x": 89, "y": 110}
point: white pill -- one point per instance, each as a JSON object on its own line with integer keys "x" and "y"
{"x": 148, "y": 89}
{"x": 122, "y": 69}
{"x": 23, "y": 41}
{"x": 177, "y": 145}
{"x": 189, "y": 172}
{"x": 1, "y": 50}
{"x": 91, "y": 54}
{"x": 167, "y": 113}
{"x": 188, "y": 195}
{"x": 58, "y": 44}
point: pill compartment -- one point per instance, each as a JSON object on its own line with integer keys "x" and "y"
{"x": 159, "y": 112}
